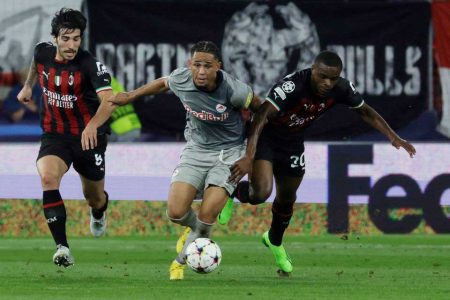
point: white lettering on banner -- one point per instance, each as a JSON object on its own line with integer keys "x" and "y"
{"x": 359, "y": 62}
{"x": 136, "y": 65}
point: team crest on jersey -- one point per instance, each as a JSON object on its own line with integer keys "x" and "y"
{"x": 288, "y": 86}
{"x": 71, "y": 78}
{"x": 57, "y": 80}
{"x": 221, "y": 108}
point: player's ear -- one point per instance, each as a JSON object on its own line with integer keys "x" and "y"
{"x": 189, "y": 63}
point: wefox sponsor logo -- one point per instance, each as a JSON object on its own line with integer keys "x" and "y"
{"x": 417, "y": 204}
{"x": 206, "y": 116}
{"x": 58, "y": 100}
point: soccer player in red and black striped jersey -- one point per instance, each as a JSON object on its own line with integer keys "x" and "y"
{"x": 74, "y": 115}
{"x": 275, "y": 145}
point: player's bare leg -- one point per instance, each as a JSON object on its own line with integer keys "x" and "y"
{"x": 255, "y": 193}
{"x": 181, "y": 196}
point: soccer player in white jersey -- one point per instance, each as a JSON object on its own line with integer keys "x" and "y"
{"x": 215, "y": 135}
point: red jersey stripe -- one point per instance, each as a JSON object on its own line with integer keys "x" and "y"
{"x": 46, "y": 122}
{"x": 80, "y": 99}
{"x": 73, "y": 124}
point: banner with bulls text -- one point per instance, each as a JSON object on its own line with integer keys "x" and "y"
{"x": 384, "y": 47}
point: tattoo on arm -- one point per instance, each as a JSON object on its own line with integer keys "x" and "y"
{"x": 32, "y": 74}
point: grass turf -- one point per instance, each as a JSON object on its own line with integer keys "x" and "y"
{"x": 325, "y": 267}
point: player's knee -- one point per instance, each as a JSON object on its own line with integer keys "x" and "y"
{"x": 260, "y": 195}
{"x": 49, "y": 181}
{"x": 95, "y": 200}
{"x": 175, "y": 214}
{"x": 286, "y": 198}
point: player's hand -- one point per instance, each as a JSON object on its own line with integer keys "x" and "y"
{"x": 89, "y": 137}
{"x": 399, "y": 142}
{"x": 241, "y": 167}
{"x": 24, "y": 95}
{"x": 120, "y": 99}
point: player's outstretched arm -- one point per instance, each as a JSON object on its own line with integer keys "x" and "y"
{"x": 370, "y": 116}
{"x": 25, "y": 93}
{"x": 244, "y": 165}
{"x": 154, "y": 87}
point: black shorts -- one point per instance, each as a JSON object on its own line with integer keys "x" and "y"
{"x": 89, "y": 163}
{"x": 287, "y": 157}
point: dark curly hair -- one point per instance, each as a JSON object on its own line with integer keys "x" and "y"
{"x": 68, "y": 18}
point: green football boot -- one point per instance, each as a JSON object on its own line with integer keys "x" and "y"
{"x": 282, "y": 259}
{"x": 225, "y": 215}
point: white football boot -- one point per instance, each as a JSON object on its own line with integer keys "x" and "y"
{"x": 98, "y": 226}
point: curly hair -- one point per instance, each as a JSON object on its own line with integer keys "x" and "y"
{"x": 68, "y": 18}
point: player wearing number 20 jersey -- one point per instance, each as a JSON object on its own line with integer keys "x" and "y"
{"x": 298, "y": 106}
{"x": 275, "y": 149}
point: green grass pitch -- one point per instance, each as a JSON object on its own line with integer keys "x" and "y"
{"x": 325, "y": 267}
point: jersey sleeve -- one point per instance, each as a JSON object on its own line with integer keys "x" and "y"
{"x": 98, "y": 74}
{"x": 242, "y": 94}
{"x": 178, "y": 78}
{"x": 285, "y": 90}
{"x": 348, "y": 95}
{"x": 40, "y": 51}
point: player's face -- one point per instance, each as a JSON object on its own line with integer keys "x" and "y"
{"x": 67, "y": 42}
{"x": 204, "y": 67}
{"x": 324, "y": 78}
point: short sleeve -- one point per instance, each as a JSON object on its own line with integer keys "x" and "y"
{"x": 40, "y": 50}
{"x": 98, "y": 74}
{"x": 285, "y": 90}
{"x": 242, "y": 94}
{"x": 348, "y": 95}
{"x": 179, "y": 78}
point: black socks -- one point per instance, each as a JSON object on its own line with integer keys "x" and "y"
{"x": 98, "y": 213}
{"x": 281, "y": 215}
{"x": 55, "y": 214}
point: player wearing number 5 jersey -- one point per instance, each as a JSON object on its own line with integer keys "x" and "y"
{"x": 74, "y": 124}
{"x": 275, "y": 145}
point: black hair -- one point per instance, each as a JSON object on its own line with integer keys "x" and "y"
{"x": 68, "y": 18}
{"x": 207, "y": 47}
{"x": 329, "y": 58}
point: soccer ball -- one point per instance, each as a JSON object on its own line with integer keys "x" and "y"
{"x": 203, "y": 255}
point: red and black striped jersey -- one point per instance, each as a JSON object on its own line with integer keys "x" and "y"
{"x": 69, "y": 98}
{"x": 298, "y": 107}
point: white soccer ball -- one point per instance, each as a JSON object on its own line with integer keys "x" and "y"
{"x": 203, "y": 255}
